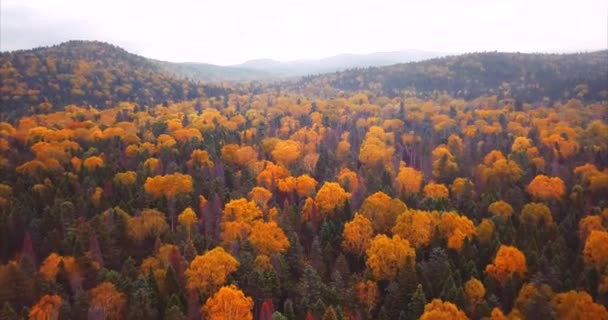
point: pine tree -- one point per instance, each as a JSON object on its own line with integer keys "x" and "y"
{"x": 417, "y": 303}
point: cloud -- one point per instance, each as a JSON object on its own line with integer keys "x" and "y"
{"x": 232, "y": 31}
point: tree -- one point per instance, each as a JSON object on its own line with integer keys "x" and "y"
{"x": 305, "y": 185}
{"x": 455, "y": 228}
{"x": 475, "y": 292}
{"x": 107, "y": 301}
{"x": 408, "y": 181}
{"x": 187, "y": 218}
{"x": 357, "y": 235}
{"x": 577, "y": 305}
{"x": 229, "y": 303}
{"x": 501, "y": 209}
{"x": 437, "y": 309}
{"x": 387, "y": 256}
{"x": 382, "y": 211}
{"x": 416, "y": 226}
{"x": 331, "y": 197}
{"x": 546, "y": 188}
{"x": 286, "y": 152}
{"x": 508, "y": 261}
{"x": 47, "y": 308}
{"x": 436, "y": 191}
{"x": 150, "y": 223}
{"x": 533, "y": 214}
{"x": 209, "y": 271}
{"x": 268, "y": 238}
{"x": 595, "y": 251}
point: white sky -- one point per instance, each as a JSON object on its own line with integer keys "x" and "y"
{"x": 233, "y": 31}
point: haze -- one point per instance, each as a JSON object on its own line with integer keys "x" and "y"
{"x": 230, "y": 32}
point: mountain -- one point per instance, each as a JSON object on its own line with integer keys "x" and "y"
{"x": 88, "y": 73}
{"x": 335, "y": 63}
{"x": 527, "y": 77}
{"x": 206, "y": 72}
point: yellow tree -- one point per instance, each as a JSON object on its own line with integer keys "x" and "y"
{"x": 386, "y": 256}
{"x": 331, "y": 197}
{"x": 305, "y": 185}
{"x": 357, "y": 234}
{"x": 416, "y": 226}
{"x": 501, "y": 209}
{"x": 237, "y": 220}
{"x": 376, "y": 148}
{"x": 436, "y": 191}
{"x": 150, "y": 223}
{"x": 286, "y": 152}
{"x": 229, "y": 303}
{"x": 268, "y": 238}
{"x": 533, "y": 214}
{"x": 382, "y": 211}
{"x": 508, "y": 261}
{"x": 475, "y": 292}
{"x": 187, "y": 219}
{"x": 108, "y": 301}
{"x": 408, "y": 181}
{"x": 169, "y": 186}
{"x": 455, "y": 228}
{"x": 209, "y": 271}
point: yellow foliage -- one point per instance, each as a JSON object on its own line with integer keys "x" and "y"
{"x": 209, "y": 271}
{"x": 127, "y": 178}
{"x": 187, "y": 218}
{"x": 331, "y": 197}
{"x": 168, "y": 185}
{"x": 536, "y": 213}
{"x": 386, "y": 256}
{"x": 501, "y": 208}
{"x": 436, "y": 191}
{"x": 475, "y": 292}
{"x": 357, "y": 234}
{"x": 268, "y": 238}
{"x": 229, "y": 303}
{"x": 408, "y": 181}
{"x": 92, "y": 163}
{"x": 416, "y": 226}
{"x": 455, "y": 228}
{"x": 150, "y": 223}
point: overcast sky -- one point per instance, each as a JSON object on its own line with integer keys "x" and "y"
{"x": 233, "y": 31}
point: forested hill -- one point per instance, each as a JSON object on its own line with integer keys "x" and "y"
{"x": 525, "y": 77}
{"x": 87, "y": 73}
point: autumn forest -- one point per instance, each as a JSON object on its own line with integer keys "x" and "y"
{"x": 466, "y": 187}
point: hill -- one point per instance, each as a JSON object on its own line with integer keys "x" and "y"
{"x": 527, "y": 77}
{"x": 87, "y": 73}
{"x": 335, "y": 63}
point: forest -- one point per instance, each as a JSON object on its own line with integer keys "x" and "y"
{"x": 417, "y": 191}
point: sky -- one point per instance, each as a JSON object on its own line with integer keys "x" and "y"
{"x": 233, "y": 31}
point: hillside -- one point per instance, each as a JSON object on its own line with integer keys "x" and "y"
{"x": 527, "y": 77}
{"x": 336, "y": 63}
{"x": 206, "y": 72}
{"x": 87, "y": 73}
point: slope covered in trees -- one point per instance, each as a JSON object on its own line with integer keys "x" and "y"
{"x": 87, "y": 73}
{"x": 271, "y": 204}
{"x": 524, "y": 77}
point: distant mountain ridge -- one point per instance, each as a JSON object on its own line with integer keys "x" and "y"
{"x": 303, "y": 67}
{"x": 523, "y": 76}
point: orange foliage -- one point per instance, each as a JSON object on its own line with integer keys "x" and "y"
{"x": 260, "y": 195}
{"x": 588, "y": 224}
{"x": 368, "y": 294}
{"x": 357, "y": 234}
{"x": 50, "y": 266}
{"x": 150, "y": 223}
{"x": 349, "y": 180}
{"x": 229, "y": 303}
{"x": 439, "y": 310}
{"x": 199, "y": 158}
{"x": 485, "y": 230}
{"x": 47, "y": 308}
{"x": 376, "y": 148}
{"x": 475, "y": 292}
{"x": 287, "y": 185}
{"x": 209, "y": 271}
{"x": 386, "y": 256}
{"x": 305, "y": 185}
{"x": 435, "y": 191}
{"x": 596, "y": 249}
{"x": 455, "y": 228}
{"x": 271, "y": 174}
{"x": 508, "y": 261}
{"x": 286, "y": 152}
{"x": 92, "y": 163}
{"x": 577, "y": 305}
{"x": 501, "y": 208}
{"x": 187, "y": 218}
{"x": 545, "y": 188}
{"x": 105, "y": 298}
